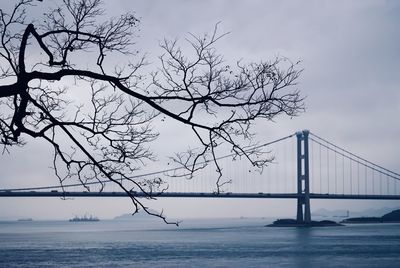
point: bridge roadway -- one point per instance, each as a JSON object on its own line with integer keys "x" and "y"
{"x": 195, "y": 195}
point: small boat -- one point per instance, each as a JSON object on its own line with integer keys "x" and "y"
{"x": 84, "y": 218}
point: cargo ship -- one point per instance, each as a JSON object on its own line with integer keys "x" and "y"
{"x": 84, "y": 218}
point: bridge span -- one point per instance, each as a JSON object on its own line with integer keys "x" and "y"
{"x": 196, "y": 195}
{"x": 305, "y": 167}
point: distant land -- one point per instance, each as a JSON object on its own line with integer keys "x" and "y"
{"x": 25, "y": 219}
{"x": 393, "y": 216}
{"x": 141, "y": 215}
{"x": 129, "y": 217}
{"x": 371, "y": 212}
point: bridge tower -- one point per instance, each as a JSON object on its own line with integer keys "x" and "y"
{"x": 303, "y": 178}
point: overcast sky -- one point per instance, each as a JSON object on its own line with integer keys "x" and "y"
{"x": 350, "y": 53}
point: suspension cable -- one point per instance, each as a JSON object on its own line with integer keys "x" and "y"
{"x": 356, "y": 156}
{"x": 358, "y": 159}
{"x": 147, "y": 174}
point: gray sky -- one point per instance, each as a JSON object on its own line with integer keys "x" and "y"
{"x": 350, "y": 52}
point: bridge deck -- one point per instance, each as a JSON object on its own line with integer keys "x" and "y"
{"x": 195, "y": 195}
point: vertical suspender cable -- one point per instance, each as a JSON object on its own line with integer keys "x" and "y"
{"x": 373, "y": 182}
{"x": 285, "y": 166}
{"x": 268, "y": 180}
{"x": 387, "y": 185}
{"x": 312, "y": 179}
{"x": 351, "y": 177}
{"x": 358, "y": 178}
{"x": 366, "y": 180}
{"x": 320, "y": 170}
{"x": 335, "y": 173}
{"x": 277, "y": 170}
{"x": 327, "y": 165}
{"x": 343, "y": 173}
{"x": 294, "y": 179}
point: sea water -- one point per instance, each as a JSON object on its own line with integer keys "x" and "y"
{"x": 196, "y": 243}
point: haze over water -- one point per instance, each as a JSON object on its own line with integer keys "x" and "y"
{"x": 207, "y": 243}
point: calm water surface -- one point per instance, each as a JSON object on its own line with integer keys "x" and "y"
{"x": 201, "y": 243}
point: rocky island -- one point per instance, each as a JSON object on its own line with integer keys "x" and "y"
{"x": 295, "y": 223}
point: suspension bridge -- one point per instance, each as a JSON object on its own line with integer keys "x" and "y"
{"x": 304, "y": 167}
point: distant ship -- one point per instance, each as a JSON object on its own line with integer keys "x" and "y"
{"x": 25, "y": 219}
{"x": 84, "y": 218}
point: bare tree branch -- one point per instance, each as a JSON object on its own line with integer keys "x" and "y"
{"x": 106, "y": 135}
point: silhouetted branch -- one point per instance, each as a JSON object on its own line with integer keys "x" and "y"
{"x": 103, "y": 132}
